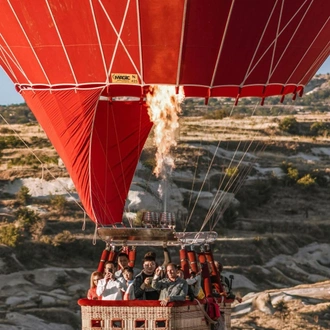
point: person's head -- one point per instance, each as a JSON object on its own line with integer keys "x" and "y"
{"x": 171, "y": 271}
{"x": 95, "y": 277}
{"x": 128, "y": 273}
{"x": 149, "y": 263}
{"x": 180, "y": 273}
{"x": 109, "y": 267}
{"x": 122, "y": 260}
{"x": 150, "y": 255}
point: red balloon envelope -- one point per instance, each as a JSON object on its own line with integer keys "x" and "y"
{"x": 70, "y": 58}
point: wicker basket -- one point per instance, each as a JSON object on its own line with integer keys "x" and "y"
{"x": 142, "y": 314}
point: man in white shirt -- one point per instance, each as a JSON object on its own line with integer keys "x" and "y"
{"x": 108, "y": 287}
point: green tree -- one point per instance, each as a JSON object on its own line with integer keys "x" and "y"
{"x": 232, "y": 171}
{"x": 289, "y": 125}
{"x": 58, "y": 202}
{"x": 9, "y": 235}
{"x": 319, "y": 128}
{"x": 293, "y": 174}
{"x": 306, "y": 181}
{"x": 26, "y": 219}
{"x": 23, "y": 196}
{"x": 64, "y": 237}
{"x": 11, "y": 141}
{"x": 217, "y": 114}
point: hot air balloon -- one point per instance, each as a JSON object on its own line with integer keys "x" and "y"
{"x": 85, "y": 68}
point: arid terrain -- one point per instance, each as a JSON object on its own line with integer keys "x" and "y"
{"x": 273, "y": 236}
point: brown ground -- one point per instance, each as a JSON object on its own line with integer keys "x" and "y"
{"x": 291, "y": 217}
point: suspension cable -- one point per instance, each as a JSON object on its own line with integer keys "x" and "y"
{"x": 234, "y": 183}
{"x": 42, "y": 163}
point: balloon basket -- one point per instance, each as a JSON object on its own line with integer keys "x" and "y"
{"x": 147, "y": 314}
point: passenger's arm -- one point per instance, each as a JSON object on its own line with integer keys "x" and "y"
{"x": 156, "y": 283}
{"x": 122, "y": 284}
{"x": 89, "y": 294}
{"x": 181, "y": 295}
{"x": 167, "y": 257}
{"x": 101, "y": 284}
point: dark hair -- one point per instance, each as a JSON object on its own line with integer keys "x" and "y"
{"x": 122, "y": 254}
{"x": 173, "y": 265}
{"x": 128, "y": 269}
{"x": 148, "y": 259}
{"x": 150, "y": 256}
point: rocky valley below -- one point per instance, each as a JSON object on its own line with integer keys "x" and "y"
{"x": 273, "y": 231}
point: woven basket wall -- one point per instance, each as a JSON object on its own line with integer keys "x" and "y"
{"x": 187, "y": 317}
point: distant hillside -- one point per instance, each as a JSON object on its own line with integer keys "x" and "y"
{"x": 281, "y": 209}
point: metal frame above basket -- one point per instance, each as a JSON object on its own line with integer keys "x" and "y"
{"x": 154, "y": 237}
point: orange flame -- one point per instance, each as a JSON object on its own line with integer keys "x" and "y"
{"x": 164, "y": 107}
